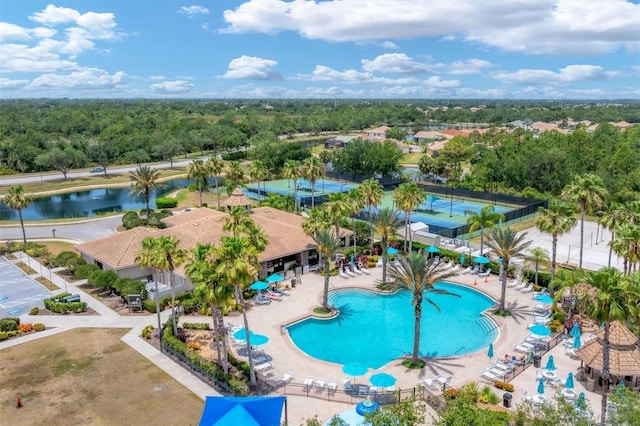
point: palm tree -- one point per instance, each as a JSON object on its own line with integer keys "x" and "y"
{"x": 555, "y": 220}
{"x": 16, "y": 199}
{"x": 327, "y": 244}
{"x": 259, "y": 172}
{"x": 611, "y": 303}
{"x": 407, "y": 197}
{"x": 337, "y": 208}
{"x": 215, "y": 166}
{"x": 613, "y": 215}
{"x": 238, "y": 221}
{"x": 372, "y": 193}
{"x": 487, "y": 218}
{"x": 417, "y": 274}
{"x": 168, "y": 256}
{"x": 144, "y": 180}
{"x": 234, "y": 176}
{"x": 588, "y": 192}
{"x": 312, "y": 168}
{"x": 385, "y": 222}
{"x": 355, "y": 203}
{"x": 147, "y": 257}
{"x": 506, "y": 244}
{"x": 627, "y": 245}
{"x": 199, "y": 171}
{"x": 316, "y": 220}
{"x": 291, "y": 170}
{"x": 538, "y": 256}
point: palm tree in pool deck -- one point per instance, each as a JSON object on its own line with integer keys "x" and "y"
{"x": 407, "y": 197}
{"x": 143, "y": 181}
{"x": 16, "y": 199}
{"x": 487, "y": 218}
{"x": 610, "y": 303}
{"x": 506, "y": 244}
{"x": 312, "y": 169}
{"x": 538, "y": 257}
{"x": 327, "y": 245}
{"x": 385, "y": 222}
{"x": 199, "y": 171}
{"x": 291, "y": 170}
{"x": 555, "y": 220}
{"x": 588, "y": 192}
{"x": 372, "y": 193}
{"x": 417, "y": 274}
{"x": 215, "y": 166}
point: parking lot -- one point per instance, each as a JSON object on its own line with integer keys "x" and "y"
{"x": 18, "y": 292}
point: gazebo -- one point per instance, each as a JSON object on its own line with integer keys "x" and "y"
{"x": 237, "y": 198}
{"x": 624, "y": 357}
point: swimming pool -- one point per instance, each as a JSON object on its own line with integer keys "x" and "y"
{"x": 374, "y": 329}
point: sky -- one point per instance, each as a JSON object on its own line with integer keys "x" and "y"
{"x": 324, "y": 49}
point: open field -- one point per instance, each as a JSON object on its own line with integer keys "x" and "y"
{"x": 89, "y": 376}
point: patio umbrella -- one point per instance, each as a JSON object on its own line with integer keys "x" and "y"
{"x": 544, "y": 298}
{"x": 367, "y": 406}
{"x": 391, "y": 250}
{"x": 431, "y": 199}
{"x": 581, "y": 402}
{"x": 569, "y": 383}
{"x": 490, "y": 351}
{"x": 274, "y": 278}
{"x": 383, "y": 380}
{"x": 576, "y": 342}
{"x": 462, "y": 258}
{"x": 259, "y": 285}
{"x": 575, "y": 329}
{"x": 355, "y": 369}
{"x": 256, "y": 339}
{"x": 550, "y": 364}
{"x": 541, "y": 386}
{"x": 481, "y": 260}
{"x": 540, "y": 330}
{"x": 620, "y": 388}
{"x": 433, "y": 249}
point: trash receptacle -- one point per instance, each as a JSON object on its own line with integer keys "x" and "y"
{"x": 506, "y": 400}
{"x": 536, "y": 361}
{"x": 293, "y": 283}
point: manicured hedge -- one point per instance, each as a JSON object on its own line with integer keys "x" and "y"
{"x": 166, "y": 202}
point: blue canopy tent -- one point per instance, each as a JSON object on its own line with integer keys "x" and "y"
{"x": 246, "y": 411}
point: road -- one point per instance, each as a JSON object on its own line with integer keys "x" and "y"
{"x": 83, "y": 230}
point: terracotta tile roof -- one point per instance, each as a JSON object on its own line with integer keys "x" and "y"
{"x": 624, "y": 354}
{"x": 204, "y": 225}
{"x": 237, "y": 198}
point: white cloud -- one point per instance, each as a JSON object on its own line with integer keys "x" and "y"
{"x": 8, "y": 84}
{"x": 172, "y": 87}
{"x": 22, "y": 58}
{"x": 436, "y": 82}
{"x": 53, "y": 15}
{"x": 86, "y": 78}
{"x": 398, "y": 63}
{"x": 10, "y": 31}
{"x": 252, "y": 68}
{"x": 568, "y": 74}
{"x": 194, "y": 10}
{"x": 157, "y": 77}
{"x": 389, "y": 45}
{"x": 469, "y": 66}
{"x": 573, "y": 27}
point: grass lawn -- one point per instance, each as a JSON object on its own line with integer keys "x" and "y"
{"x": 89, "y": 376}
{"x": 411, "y": 158}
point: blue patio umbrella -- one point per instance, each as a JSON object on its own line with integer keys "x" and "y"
{"x": 540, "y": 330}
{"x": 569, "y": 383}
{"x": 259, "y": 285}
{"x": 367, "y": 406}
{"x": 256, "y": 339}
{"x": 274, "y": 278}
{"x": 490, "y": 351}
{"x": 391, "y": 250}
{"x": 433, "y": 249}
{"x": 620, "y": 388}
{"x": 383, "y": 380}
{"x": 544, "y": 298}
{"x": 431, "y": 199}
{"x": 355, "y": 369}
{"x": 550, "y": 364}
{"x": 462, "y": 258}
{"x": 481, "y": 260}
{"x": 576, "y": 342}
{"x": 581, "y": 402}
{"x": 541, "y": 386}
{"x": 575, "y": 330}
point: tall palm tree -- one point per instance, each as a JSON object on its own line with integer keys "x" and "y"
{"x": 168, "y": 257}
{"x": 372, "y": 193}
{"x": 147, "y": 257}
{"x": 588, "y": 192}
{"x": 291, "y": 170}
{"x": 258, "y": 171}
{"x": 538, "y": 256}
{"x": 144, "y": 180}
{"x": 611, "y": 303}
{"x": 337, "y": 208}
{"x": 215, "y": 166}
{"x": 487, "y": 218}
{"x": 418, "y": 274}
{"x": 200, "y": 172}
{"x": 407, "y": 197}
{"x": 234, "y": 176}
{"x": 506, "y": 243}
{"x": 316, "y": 220}
{"x": 16, "y": 199}
{"x": 627, "y": 245}
{"x": 327, "y": 244}
{"x": 355, "y": 203}
{"x": 312, "y": 168}
{"x": 613, "y": 215}
{"x": 238, "y": 221}
{"x": 555, "y": 220}
{"x": 385, "y": 222}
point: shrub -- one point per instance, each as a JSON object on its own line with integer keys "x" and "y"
{"x": 34, "y": 311}
{"x": 149, "y": 305}
{"x": 85, "y": 271}
{"x": 504, "y": 385}
{"x": 147, "y": 332}
{"x": 131, "y": 220}
{"x": 9, "y": 324}
{"x": 231, "y": 156}
{"x": 26, "y": 327}
{"x": 238, "y": 386}
{"x": 190, "y": 305}
{"x": 555, "y": 325}
{"x": 450, "y": 393}
{"x": 3, "y": 335}
{"x": 64, "y": 257}
{"x": 103, "y": 279}
{"x": 166, "y": 202}
{"x": 196, "y": 325}
{"x": 39, "y": 327}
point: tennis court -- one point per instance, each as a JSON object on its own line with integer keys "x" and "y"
{"x": 323, "y": 188}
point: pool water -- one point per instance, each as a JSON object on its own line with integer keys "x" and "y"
{"x": 374, "y": 329}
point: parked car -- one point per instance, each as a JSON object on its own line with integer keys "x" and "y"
{"x": 97, "y": 170}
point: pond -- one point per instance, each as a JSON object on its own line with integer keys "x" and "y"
{"x": 89, "y": 203}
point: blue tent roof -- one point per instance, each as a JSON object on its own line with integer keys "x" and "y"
{"x": 236, "y": 410}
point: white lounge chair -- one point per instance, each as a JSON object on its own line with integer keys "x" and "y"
{"x": 514, "y": 283}
{"x": 350, "y": 273}
{"x": 320, "y": 383}
{"x": 527, "y": 289}
{"x": 485, "y": 273}
{"x": 489, "y": 375}
{"x": 363, "y": 390}
{"x": 455, "y": 267}
{"x": 373, "y": 391}
{"x": 522, "y": 285}
{"x": 467, "y": 270}
{"x": 365, "y": 271}
{"x": 444, "y": 381}
{"x": 431, "y": 383}
{"x": 332, "y": 387}
{"x": 263, "y": 366}
{"x": 287, "y": 377}
{"x": 348, "y": 388}
{"x": 307, "y": 383}
{"x": 343, "y": 274}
